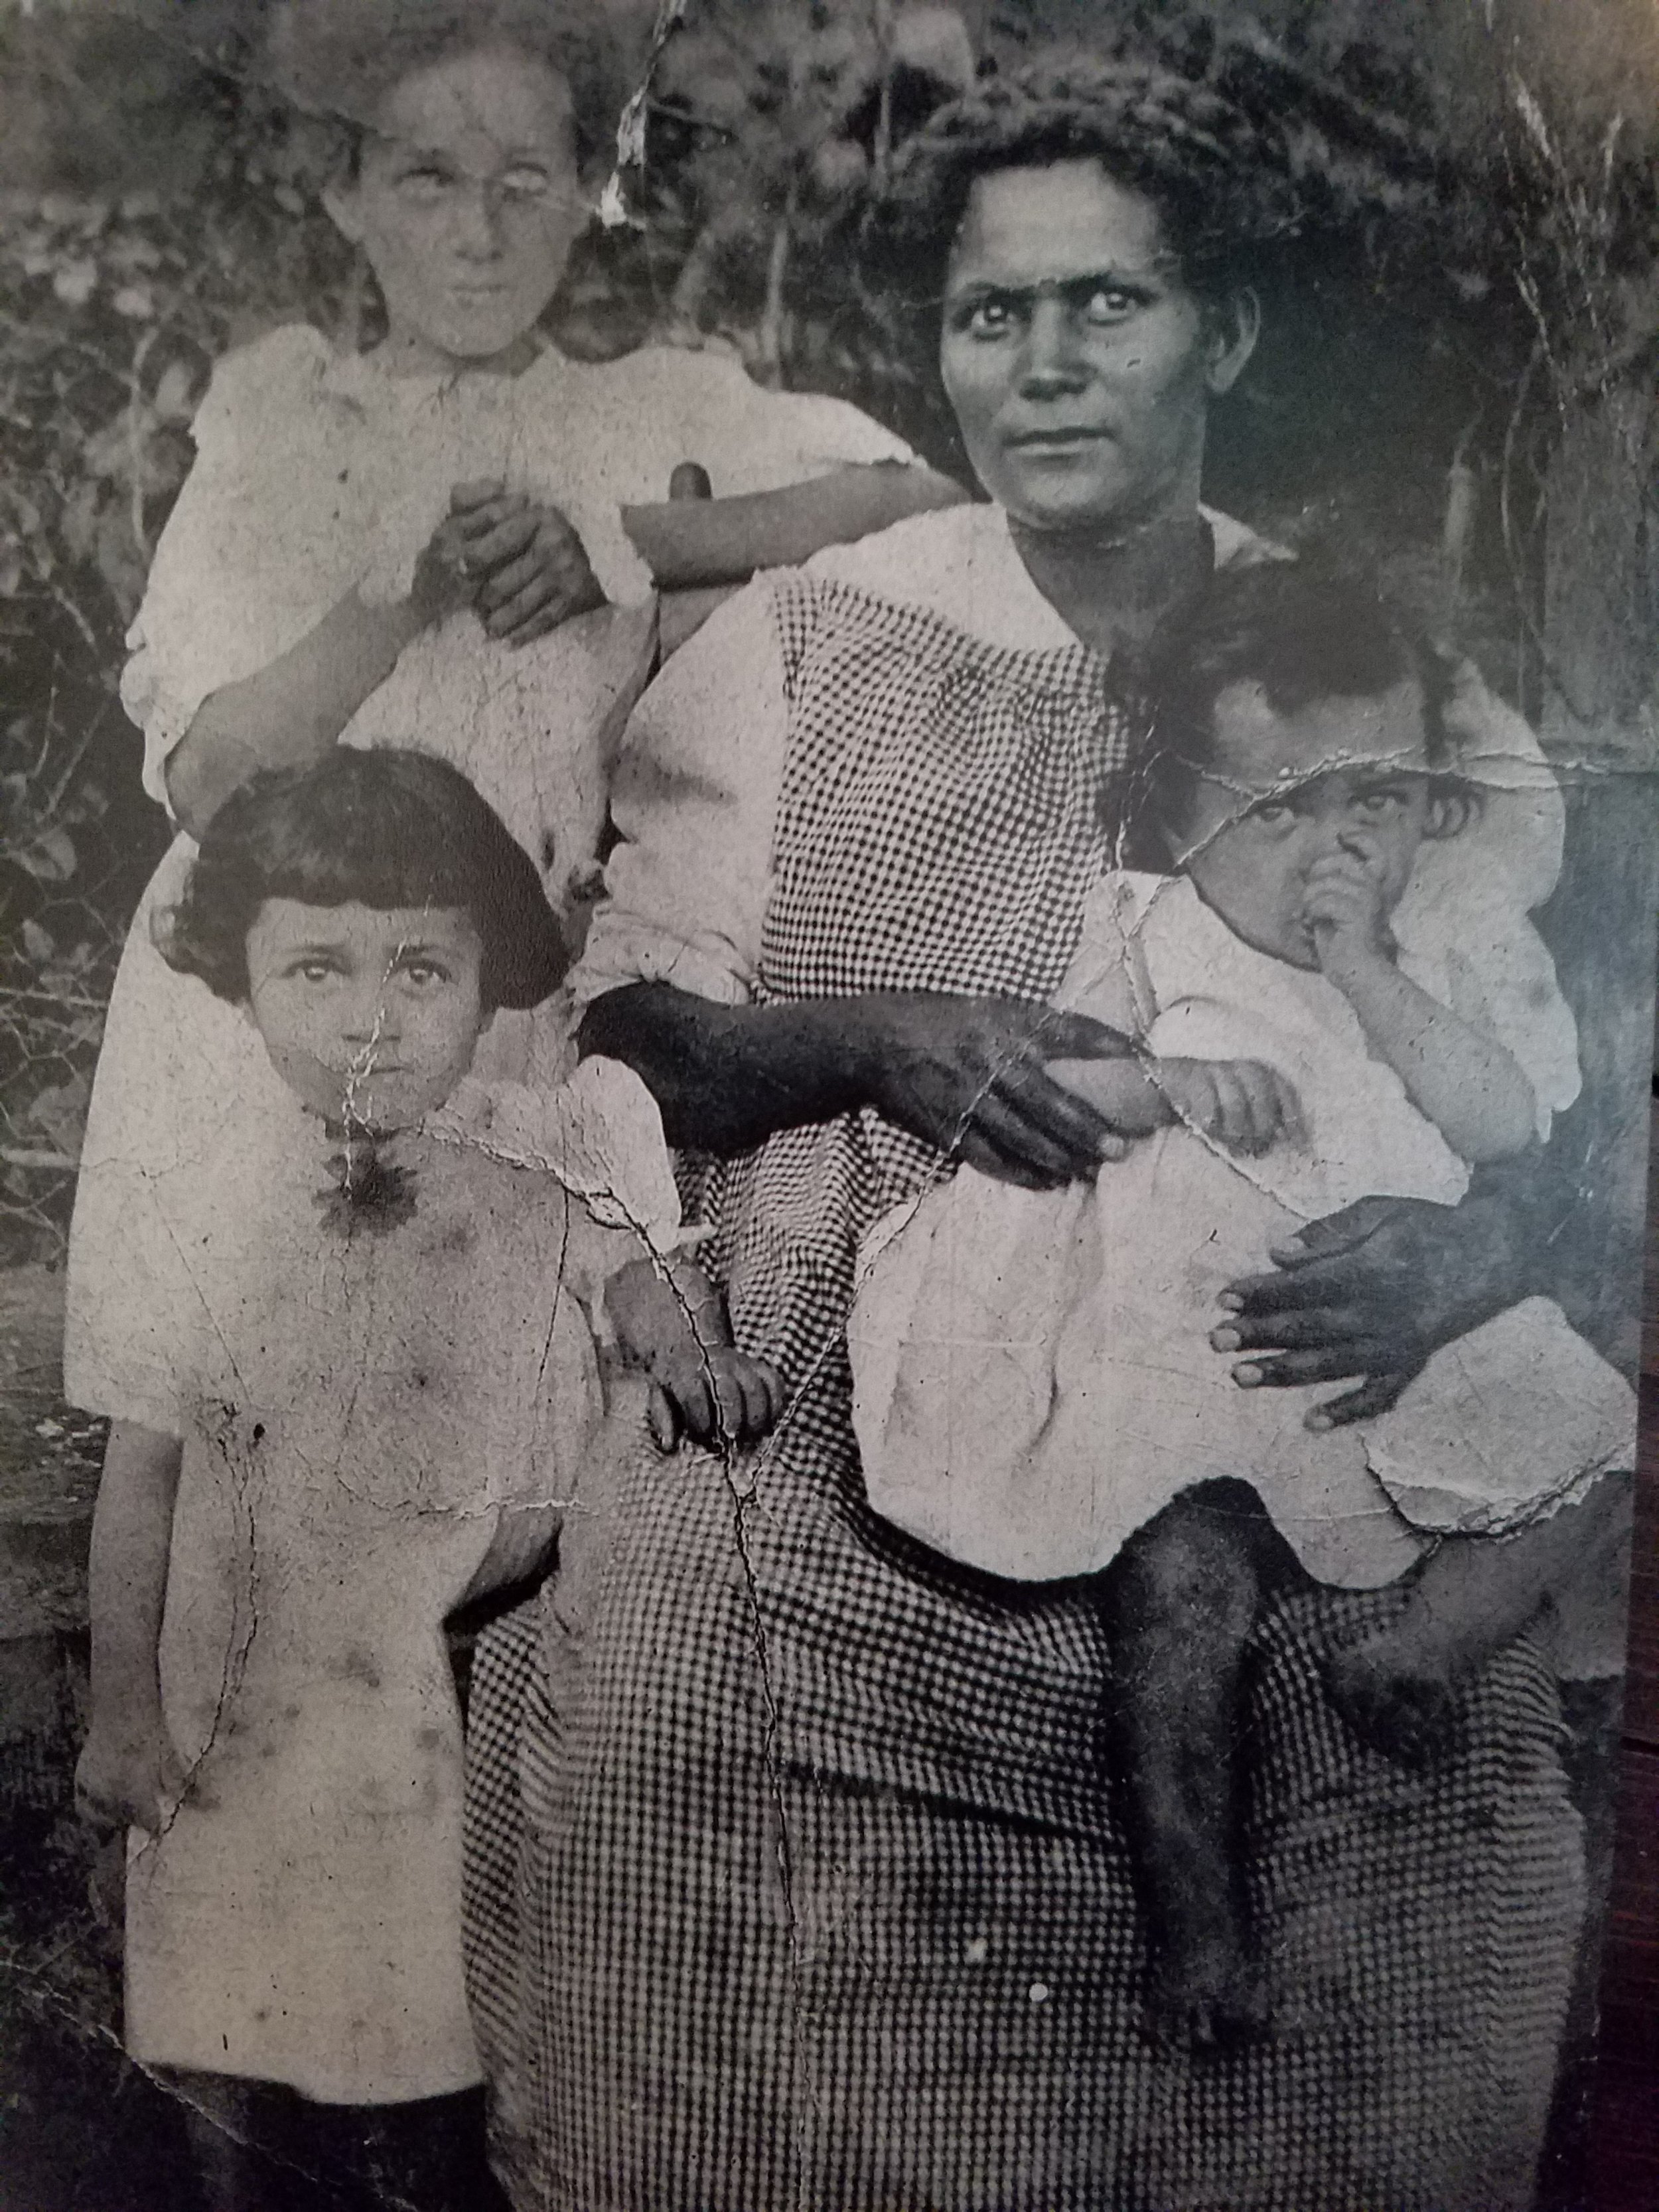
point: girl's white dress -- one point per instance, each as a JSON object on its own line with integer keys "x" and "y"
{"x": 1032, "y": 1375}
{"x": 358, "y": 1411}
{"x": 317, "y": 471}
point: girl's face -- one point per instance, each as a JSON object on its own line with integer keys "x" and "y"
{"x": 1080, "y": 366}
{"x": 1284, "y": 790}
{"x": 369, "y": 1016}
{"x": 467, "y": 201}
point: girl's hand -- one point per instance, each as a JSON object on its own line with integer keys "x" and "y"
{"x": 1243, "y": 1105}
{"x": 720, "y": 1397}
{"x": 1346, "y": 912}
{"x": 128, "y": 1774}
{"x": 529, "y": 570}
{"x": 966, "y": 1076}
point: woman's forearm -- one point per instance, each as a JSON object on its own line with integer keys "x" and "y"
{"x": 727, "y": 1078}
{"x": 132, "y": 1538}
{"x": 289, "y": 713}
{"x": 686, "y": 542}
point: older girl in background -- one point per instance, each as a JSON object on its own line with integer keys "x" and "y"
{"x": 420, "y": 545}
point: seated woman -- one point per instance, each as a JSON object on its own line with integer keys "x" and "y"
{"x": 852, "y": 1788}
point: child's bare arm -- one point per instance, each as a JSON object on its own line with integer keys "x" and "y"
{"x": 1243, "y": 1105}
{"x": 129, "y": 1772}
{"x": 689, "y": 542}
{"x": 671, "y": 1321}
{"x": 1468, "y": 1086}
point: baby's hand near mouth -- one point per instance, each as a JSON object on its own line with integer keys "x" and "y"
{"x": 1345, "y": 913}
{"x": 1243, "y": 1105}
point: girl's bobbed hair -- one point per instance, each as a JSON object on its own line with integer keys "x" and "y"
{"x": 1303, "y": 631}
{"x": 333, "y": 61}
{"x": 1218, "y": 178}
{"x": 386, "y": 829}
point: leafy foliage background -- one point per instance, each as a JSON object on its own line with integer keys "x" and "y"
{"x": 1477, "y": 251}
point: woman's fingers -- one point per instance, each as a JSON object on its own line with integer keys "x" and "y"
{"x": 1070, "y": 1121}
{"x": 1012, "y": 1132}
{"x": 977, "y": 1151}
{"x": 1316, "y": 1328}
{"x": 1283, "y": 1370}
{"x": 1373, "y": 1396}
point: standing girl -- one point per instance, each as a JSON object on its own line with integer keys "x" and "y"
{"x": 420, "y": 545}
{"x": 362, "y": 1392}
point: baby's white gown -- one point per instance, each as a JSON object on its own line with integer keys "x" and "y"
{"x": 1032, "y": 1375}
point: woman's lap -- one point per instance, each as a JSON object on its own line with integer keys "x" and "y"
{"x": 769, "y": 1952}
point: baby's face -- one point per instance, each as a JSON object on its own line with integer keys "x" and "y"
{"x": 1339, "y": 777}
{"x": 370, "y": 1017}
{"x": 467, "y": 201}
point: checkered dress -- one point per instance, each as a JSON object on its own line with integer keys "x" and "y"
{"x": 819, "y": 1901}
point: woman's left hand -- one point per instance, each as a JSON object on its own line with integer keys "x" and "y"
{"x": 1372, "y": 1292}
{"x": 533, "y": 569}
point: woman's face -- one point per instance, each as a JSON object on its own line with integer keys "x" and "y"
{"x": 467, "y": 201}
{"x": 1079, "y": 365}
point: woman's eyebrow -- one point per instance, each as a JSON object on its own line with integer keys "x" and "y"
{"x": 1050, "y": 288}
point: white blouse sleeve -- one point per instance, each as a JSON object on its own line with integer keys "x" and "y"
{"x": 695, "y": 798}
{"x": 245, "y": 565}
{"x": 1463, "y": 926}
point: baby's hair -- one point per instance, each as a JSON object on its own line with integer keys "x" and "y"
{"x": 335, "y": 61}
{"x": 385, "y": 830}
{"x": 1302, "y": 634}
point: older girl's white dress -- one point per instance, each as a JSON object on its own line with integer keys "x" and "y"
{"x": 316, "y": 472}
{"x": 1033, "y": 1378}
{"x": 360, "y": 1400}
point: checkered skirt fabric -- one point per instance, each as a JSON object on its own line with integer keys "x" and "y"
{"x": 794, "y": 1879}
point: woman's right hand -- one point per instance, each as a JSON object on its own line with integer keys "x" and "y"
{"x": 128, "y": 1774}
{"x": 966, "y": 1076}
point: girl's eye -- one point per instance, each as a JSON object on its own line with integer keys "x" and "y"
{"x": 424, "y": 973}
{"x": 313, "y": 971}
{"x": 526, "y": 182}
{"x": 1274, "y": 813}
{"x": 428, "y": 182}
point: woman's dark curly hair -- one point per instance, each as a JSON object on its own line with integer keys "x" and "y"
{"x": 1303, "y": 631}
{"x": 385, "y": 830}
{"x": 333, "y": 61}
{"x": 1217, "y": 176}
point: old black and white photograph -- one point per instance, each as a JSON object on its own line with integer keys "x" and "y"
{"x": 828, "y": 899}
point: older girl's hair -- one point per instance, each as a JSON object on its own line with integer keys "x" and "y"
{"x": 1303, "y": 633}
{"x": 386, "y": 829}
{"x": 333, "y": 61}
{"x": 1219, "y": 180}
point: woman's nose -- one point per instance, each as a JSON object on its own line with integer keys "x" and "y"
{"x": 1053, "y": 363}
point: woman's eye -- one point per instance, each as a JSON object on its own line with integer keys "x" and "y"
{"x": 1272, "y": 813}
{"x": 312, "y": 971}
{"x": 1110, "y": 304}
{"x": 423, "y": 974}
{"x": 1378, "y": 803}
{"x": 988, "y": 319}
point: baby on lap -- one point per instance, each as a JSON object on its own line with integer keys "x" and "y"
{"x": 1334, "y": 992}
